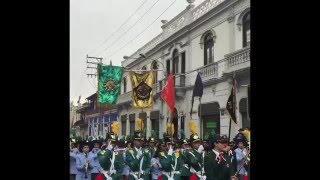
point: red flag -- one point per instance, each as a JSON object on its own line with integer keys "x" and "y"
{"x": 168, "y": 93}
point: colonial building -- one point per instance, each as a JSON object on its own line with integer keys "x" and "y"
{"x": 95, "y": 118}
{"x": 212, "y": 39}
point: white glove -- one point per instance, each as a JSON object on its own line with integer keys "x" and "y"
{"x": 109, "y": 178}
{"x": 109, "y": 146}
{"x": 200, "y": 149}
{"x": 170, "y": 151}
{"x": 192, "y": 170}
{"x": 203, "y": 177}
{"x": 139, "y": 154}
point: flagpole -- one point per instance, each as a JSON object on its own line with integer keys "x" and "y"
{"x": 109, "y": 125}
{"x": 200, "y": 116}
{"x": 229, "y": 129}
{"x": 171, "y": 119}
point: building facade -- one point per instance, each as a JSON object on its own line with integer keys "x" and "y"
{"x": 212, "y": 39}
{"x": 94, "y": 119}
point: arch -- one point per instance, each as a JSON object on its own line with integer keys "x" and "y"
{"x": 202, "y": 38}
{"x": 240, "y": 18}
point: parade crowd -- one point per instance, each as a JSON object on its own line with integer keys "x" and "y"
{"x": 215, "y": 157}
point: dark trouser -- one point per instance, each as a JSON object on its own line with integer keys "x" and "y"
{"x": 185, "y": 177}
{"x": 72, "y": 177}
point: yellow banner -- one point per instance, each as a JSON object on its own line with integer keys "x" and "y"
{"x": 142, "y": 85}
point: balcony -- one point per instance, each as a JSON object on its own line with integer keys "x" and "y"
{"x": 237, "y": 60}
{"x": 209, "y": 71}
{"x": 180, "y": 84}
{"x": 124, "y": 98}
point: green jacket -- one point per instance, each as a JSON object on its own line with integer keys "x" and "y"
{"x": 216, "y": 170}
{"x": 165, "y": 161}
{"x": 177, "y": 156}
{"x": 185, "y": 171}
{"x": 119, "y": 164}
{"x": 146, "y": 165}
{"x": 194, "y": 159}
{"x": 104, "y": 159}
{"x": 134, "y": 163}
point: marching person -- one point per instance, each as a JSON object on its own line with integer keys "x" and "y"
{"x": 84, "y": 163}
{"x": 105, "y": 156}
{"x": 241, "y": 152}
{"x": 176, "y": 164}
{"x": 96, "y": 164}
{"x": 194, "y": 157}
{"x": 165, "y": 157}
{"x": 145, "y": 162}
{"x": 155, "y": 163}
{"x": 73, "y": 157}
{"x": 215, "y": 165}
{"x": 185, "y": 171}
{"x": 134, "y": 156}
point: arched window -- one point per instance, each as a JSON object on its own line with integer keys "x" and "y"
{"x": 246, "y": 30}
{"x": 155, "y": 73}
{"x": 208, "y": 49}
{"x": 124, "y": 85}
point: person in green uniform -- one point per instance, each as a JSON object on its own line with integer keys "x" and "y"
{"x": 134, "y": 155}
{"x": 145, "y": 162}
{"x": 216, "y": 165}
{"x": 105, "y": 155}
{"x": 152, "y": 143}
{"x": 176, "y": 163}
{"x": 185, "y": 171}
{"x": 117, "y": 160}
{"x": 165, "y": 157}
{"x": 194, "y": 158}
{"x": 230, "y": 156}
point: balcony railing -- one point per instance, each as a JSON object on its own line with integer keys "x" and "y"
{"x": 124, "y": 98}
{"x": 238, "y": 60}
{"x": 209, "y": 71}
{"x": 180, "y": 80}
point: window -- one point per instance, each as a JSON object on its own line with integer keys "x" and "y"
{"x": 175, "y": 64}
{"x": 155, "y": 126}
{"x": 183, "y": 62}
{"x": 155, "y": 73}
{"x": 168, "y": 66}
{"x": 124, "y": 127}
{"x": 144, "y": 68}
{"x": 243, "y": 109}
{"x": 124, "y": 124}
{"x": 208, "y": 49}
{"x": 246, "y": 30}
{"x": 132, "y": 120}
{"x": 124, "y": 85}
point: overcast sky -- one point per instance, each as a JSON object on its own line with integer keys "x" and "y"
{"x": 92, "y": 22}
